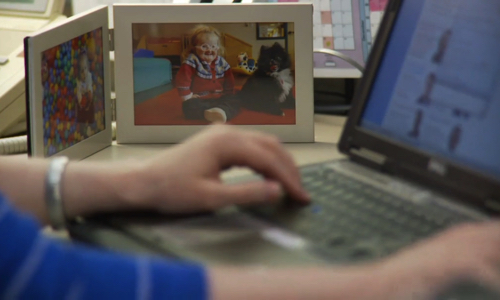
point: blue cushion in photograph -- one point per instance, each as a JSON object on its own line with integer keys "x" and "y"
{"x": 151, "y": 72}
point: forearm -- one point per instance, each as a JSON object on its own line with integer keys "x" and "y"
{"x": 22, "y": 180}
{"x": 90, "y": 187}
{"x": 184, "y": 80}
{"x": 86, "y": 187}
{"x": 33, "y": 266}
{"x": 343, "y": 283}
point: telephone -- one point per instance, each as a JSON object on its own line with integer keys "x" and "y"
{"x": 17, "y": 20}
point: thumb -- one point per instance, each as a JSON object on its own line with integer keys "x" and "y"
{"x": 252, "y": 192}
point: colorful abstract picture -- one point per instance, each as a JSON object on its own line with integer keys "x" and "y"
{"x": 199, "y": 74}
{"x": 73, "y": 92}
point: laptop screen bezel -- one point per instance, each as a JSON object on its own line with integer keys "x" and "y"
{"x": 401, "y": 159}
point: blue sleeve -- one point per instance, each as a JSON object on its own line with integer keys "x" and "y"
{"x": 33, "y": 266}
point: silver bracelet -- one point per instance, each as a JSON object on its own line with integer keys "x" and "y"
{"x": 53, "y": 192}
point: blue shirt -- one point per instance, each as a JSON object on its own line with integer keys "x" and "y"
{"x": 33, "y": 266}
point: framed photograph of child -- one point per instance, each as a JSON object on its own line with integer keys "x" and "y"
{"x": 68, "y": 87}
{"x": 180, "y": 68}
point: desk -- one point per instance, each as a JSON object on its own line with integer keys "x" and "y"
{"x": 327, "y": 132}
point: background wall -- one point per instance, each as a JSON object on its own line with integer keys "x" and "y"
{"x": 244, "y": 31}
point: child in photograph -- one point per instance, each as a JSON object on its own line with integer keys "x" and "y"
{"x": 205, "y": 77}
{"x": 84, "y": 92}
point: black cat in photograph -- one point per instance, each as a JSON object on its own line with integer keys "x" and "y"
{"x": 269, "y": 88}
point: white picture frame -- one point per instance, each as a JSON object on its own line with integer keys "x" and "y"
{"x": 126, "y": 16}
{"x": 36, "y": 47}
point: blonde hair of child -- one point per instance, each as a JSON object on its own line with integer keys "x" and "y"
{"x": 194, "y": 38}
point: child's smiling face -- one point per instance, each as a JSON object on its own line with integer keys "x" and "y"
{"x": 207, "y": 47}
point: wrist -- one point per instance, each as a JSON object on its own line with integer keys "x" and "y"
{"x": 349, "y": 282}
{"x": 400, "y": 279}
{"x": 375, "y": 283}
{"x": 187, "y": 97}
{"x": 133, "y": 187}
{"x": 53, "y": 192}
{"x": 96, "y": 187}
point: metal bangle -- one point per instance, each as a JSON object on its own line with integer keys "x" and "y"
{"x": 53, "y": 192}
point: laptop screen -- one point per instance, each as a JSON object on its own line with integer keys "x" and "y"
{"x": 436, "y": 86}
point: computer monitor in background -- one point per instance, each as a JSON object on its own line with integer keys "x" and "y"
{"x": 347, "y": 26}
{"x": 346, "y": 29}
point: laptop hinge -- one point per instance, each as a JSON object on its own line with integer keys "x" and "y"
{"x": 111, "y": 39}
{"x": 369, "y": 155}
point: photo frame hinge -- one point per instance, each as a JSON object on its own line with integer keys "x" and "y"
{"x": 111, "y": 39}
{"x": 113, "y": 107}
{"x": 370, "y": 155}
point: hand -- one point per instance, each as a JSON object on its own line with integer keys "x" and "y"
{"x": 465, "y": 253}
{"x": 195, "y": 96}
{"x": 186, "y": 178}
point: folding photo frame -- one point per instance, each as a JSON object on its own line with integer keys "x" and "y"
{"x": 178, "y": 68}
{"x": 68, "y": 87}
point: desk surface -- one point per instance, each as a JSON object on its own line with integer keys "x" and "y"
{"x": 327, "y": 132}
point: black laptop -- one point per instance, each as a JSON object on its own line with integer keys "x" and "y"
{"x": 422, "y": 138}
{"x": 423, "y": 148}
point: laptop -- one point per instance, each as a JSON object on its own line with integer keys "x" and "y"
{"x": 19, "y": 18}
{"x": 422, "y": 146}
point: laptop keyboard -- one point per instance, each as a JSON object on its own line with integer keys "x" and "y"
{"x": 356, "y": 221}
